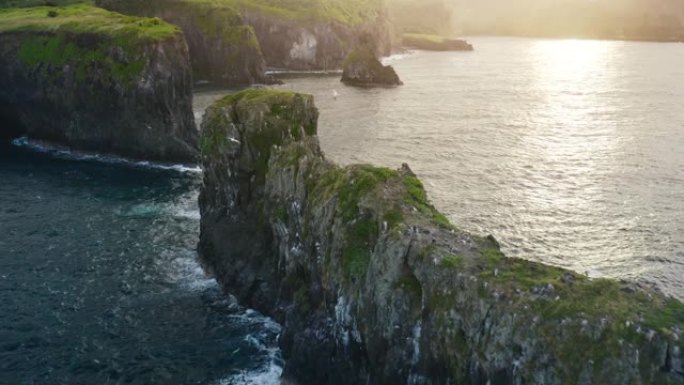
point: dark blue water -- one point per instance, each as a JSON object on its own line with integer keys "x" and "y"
{"x": 99, "y": 282}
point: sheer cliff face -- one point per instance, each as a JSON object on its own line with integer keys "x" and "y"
{"x": 99, "y": 92}
{"x": 373, "y": 285}
{"x": 223, "y": 49}
{"x": 314, "y": 45}
{"x": 232, "y": 42}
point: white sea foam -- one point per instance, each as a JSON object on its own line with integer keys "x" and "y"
{"x": 270, "y": 371}
{"x": 62, "y": 152}
{"x": 308, "y": 72}
{"x": 269, "y": 375}
{"x": 396, "y": 57}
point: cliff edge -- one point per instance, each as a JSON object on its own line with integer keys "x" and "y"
{"x": 95, "y": 80}
{"x": 374, "y": 286}
{"x": 233, "y": 41}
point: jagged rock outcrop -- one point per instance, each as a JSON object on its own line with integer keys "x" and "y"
{"x": 232, "y": 42}
{"x": 94, "y": 80}
{"x": 223, "y": 48}
{"x": 374, "y": 286}
{"x": 434, "y": 43}
{"x": 363, "y": 69}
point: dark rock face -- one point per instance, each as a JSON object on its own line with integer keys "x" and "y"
{"x": 363, "y": 69}
{"x": 223, "y": 48}
{"x": 88, "y": 93}
{"x": 374, "y": 286}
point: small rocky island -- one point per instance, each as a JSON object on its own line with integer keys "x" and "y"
{"x": 374, "y": 286}
{"x": 363, "y": 69}
{"x": 434, "y": 43}
{"x": 95, "y": 80}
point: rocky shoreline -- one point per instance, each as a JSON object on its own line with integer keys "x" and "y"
{"x": 373, "y": 285}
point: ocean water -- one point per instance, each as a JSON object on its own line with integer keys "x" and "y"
{"x": 99, "y": 282}
{"x": 568, "y": 152}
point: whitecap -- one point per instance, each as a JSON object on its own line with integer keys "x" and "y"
{"x": 62, "y": 152}
{"x": 396, "y": 57}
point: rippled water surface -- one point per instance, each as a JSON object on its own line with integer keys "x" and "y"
{"x": 569, "y": 152}
{"x": 99, "y": 282}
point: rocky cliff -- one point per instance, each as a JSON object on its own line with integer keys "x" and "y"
{"x": 95, "y": 80}
{"x": 223, "y": 48}
{"x": 374, "y": 286}
{"x": 320, "y": 35}
{"x": 232, "y": 41}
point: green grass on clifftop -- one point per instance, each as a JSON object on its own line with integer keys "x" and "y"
{"x": 84, "y": 18}
{"x": 424, "y": 37}
{"x": 348, "y": 12}
{"x": 256, "y": 96}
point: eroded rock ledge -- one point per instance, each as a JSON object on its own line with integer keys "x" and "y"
{"x": 95, "y": 80}
{"x": 374, "y": 286}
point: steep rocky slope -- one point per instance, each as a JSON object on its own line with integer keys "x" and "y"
{"x": 374, "y": 286}
{"x": 232, "y": 41}
{"x": 94, "y": 80}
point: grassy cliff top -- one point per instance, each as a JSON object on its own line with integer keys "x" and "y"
{"x": 348, "y": 12}
{"x": 425, "y": 37}
{"x": 83, "y": 18}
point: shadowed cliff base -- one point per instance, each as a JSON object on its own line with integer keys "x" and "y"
{"x": 373, "y": 285}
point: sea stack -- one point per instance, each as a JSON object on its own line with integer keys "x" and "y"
{"x": 374, "y": 286}
{"x": 363, "y": 69}
{"x": 93, "y": 80}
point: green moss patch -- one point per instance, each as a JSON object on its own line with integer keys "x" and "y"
{"x": 285, "y": 119}
{"x": 417, "y": 197}
{"x": 85, "y": 18}
{"x": 361, "y": 237}
{"x": 452, "y": 261}
{"x": 97, "y": 44}
{"x": 351, "y": 184}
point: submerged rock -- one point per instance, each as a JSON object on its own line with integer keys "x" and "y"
{"x": 374, "y": 286}
{"x": 362, "y": 68}
{"x": 95, "y": 80}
